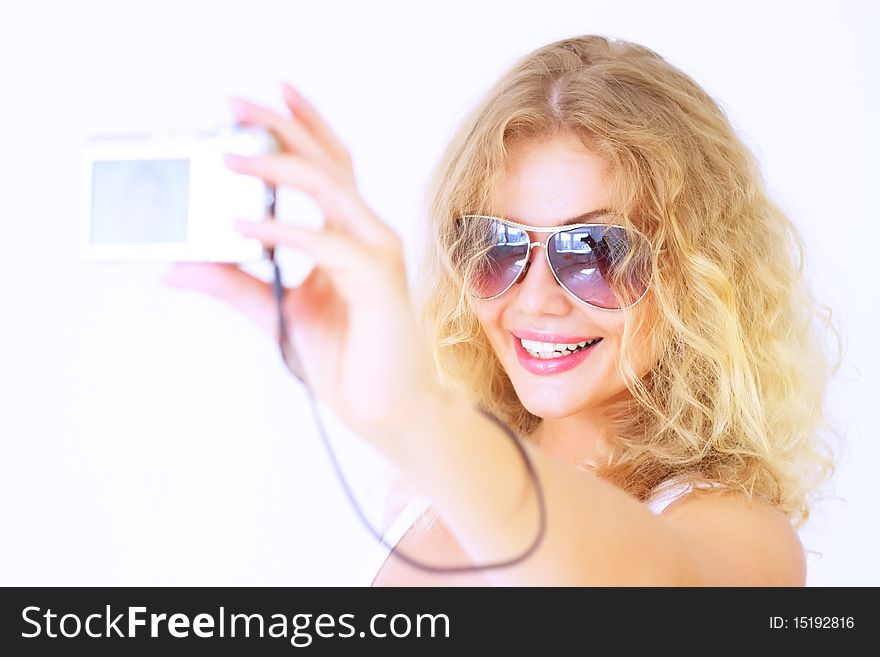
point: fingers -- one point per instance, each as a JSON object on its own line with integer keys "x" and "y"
{"x": 351, "y": 266}
{"x": 342, "y": 207}
{"x": 230, "y": 284}
{"x": 293, "y": 136}
{"x": 355, "y": 234}
{"x": 308, "y": 115}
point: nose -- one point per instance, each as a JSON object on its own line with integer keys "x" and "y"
{"x": 539, "y": 292}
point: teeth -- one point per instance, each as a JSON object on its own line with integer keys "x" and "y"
{"x": 553, "y": 349}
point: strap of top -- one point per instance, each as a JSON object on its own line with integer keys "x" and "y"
{"x": 405, "y": 519}
{"x": 671, "y": 491}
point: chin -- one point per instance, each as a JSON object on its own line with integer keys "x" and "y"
{"x": 565, "y": 396}
{"x": 553, "y": 403}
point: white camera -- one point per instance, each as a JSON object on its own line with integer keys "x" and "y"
{"x": 172, "y": 197}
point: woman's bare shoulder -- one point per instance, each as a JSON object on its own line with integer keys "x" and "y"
{"x": 738, "y": 541}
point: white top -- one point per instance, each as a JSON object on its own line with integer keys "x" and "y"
{"x": 664, "y": 495}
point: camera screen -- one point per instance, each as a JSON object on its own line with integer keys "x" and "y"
{"x": 139, "y": 201}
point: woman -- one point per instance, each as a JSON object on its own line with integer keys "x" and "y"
{"x": 596, "y": 204}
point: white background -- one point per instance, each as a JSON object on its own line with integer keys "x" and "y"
{"x": 151, "y": 436}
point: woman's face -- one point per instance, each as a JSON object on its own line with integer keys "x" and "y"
{"x": 547, "y": 183}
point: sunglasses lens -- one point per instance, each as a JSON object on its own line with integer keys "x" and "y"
{"x": 606, "y": 266}
{"x": 503, "y": 256}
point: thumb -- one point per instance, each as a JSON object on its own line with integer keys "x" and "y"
{"x": 229, "y": 284}
{"x": 351, "y": 265}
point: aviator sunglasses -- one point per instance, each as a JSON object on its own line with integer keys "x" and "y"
{"x": 606, "y": 266}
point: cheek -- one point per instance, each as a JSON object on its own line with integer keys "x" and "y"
{"x": 488, "y": 314}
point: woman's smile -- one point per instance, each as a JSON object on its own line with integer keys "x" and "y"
{"x": 554, "y": 354}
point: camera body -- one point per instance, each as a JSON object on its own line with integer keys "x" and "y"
{"x": 171, "y": 197}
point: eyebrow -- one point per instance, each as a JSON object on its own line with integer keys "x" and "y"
{"x": 587, "y": 217}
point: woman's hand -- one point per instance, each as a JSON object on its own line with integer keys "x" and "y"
{"x": 351, "y": 321}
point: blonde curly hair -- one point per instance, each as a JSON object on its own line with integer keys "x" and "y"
{"x": 737, "y": 390}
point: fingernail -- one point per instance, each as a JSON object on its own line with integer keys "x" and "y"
{"x": 291, "y": 92}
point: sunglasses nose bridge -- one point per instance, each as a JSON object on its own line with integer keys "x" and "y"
{"x": 528, "y": 260}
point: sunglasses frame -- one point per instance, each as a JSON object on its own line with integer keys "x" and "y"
{"x": 553, "y": 231}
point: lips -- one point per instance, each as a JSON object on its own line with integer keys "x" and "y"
{"x": 551, "y": 366}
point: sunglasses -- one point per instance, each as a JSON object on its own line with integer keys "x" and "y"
{"x": 603, "y": 265}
